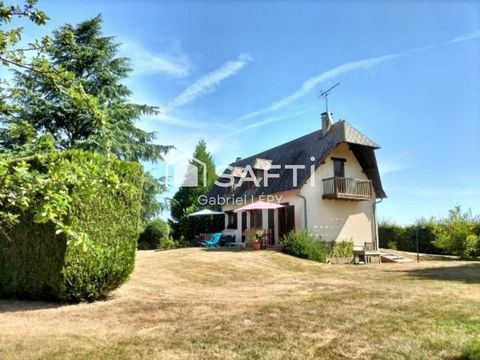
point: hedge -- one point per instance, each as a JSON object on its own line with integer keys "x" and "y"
{"x": 392, "y": 236}
{"x": 70, "y": 233}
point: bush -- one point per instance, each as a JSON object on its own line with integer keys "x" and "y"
{"x": 156, "y": 232}
{"x": 303, "y": 245}
{"x": 68, "y": 225}
{"x": 169, "y": 243}
{"x": 342, "y": 249}
{"x": 456, "y": 234}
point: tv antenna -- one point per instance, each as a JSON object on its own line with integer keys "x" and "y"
{"x": 326, "y": 93}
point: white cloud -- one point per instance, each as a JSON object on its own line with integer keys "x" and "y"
{"x": 309, "y": 84}
{"x": 145, "y": 62}
{"x": 271, "y": 119}
{"x": 180, "y": 122}
{"x": 393, "y": 165}
{"x": 465, "y": 37}
{"x": 207, "y": 83}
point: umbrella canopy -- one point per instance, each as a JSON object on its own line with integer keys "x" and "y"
{"x": 259, "y": 205}
{"x": 206, "y": 212}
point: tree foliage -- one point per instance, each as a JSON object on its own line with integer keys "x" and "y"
{"x": 456, "y": 234}
{"x": 155, "y": 234}
{"x": 185, "y": 200}
{"x": 86, "y": 104}
{"x": 73, "y": 95}
{"x": 11, "y": 55}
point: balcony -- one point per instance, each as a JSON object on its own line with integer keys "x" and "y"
{"x": 347, "y": 189}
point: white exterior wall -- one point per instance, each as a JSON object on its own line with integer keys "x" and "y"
{"x": 336, "y": 220}
{"x": 333, "y": 220}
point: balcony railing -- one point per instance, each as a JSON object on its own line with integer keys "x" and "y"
{"x": 347, "y": 188}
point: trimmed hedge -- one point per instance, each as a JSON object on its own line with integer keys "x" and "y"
{"x": 75, "y": 236}
{"x": 393, "y": 236}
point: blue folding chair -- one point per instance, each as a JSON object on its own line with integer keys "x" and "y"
{"x": 214, "y": 241}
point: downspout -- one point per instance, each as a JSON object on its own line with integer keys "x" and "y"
{"x": 375, "y": 223}
{"x": 304, "y": 210}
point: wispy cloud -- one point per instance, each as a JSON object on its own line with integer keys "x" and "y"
{"x": 390, "y": 166}
{"x": 311, "y": 83}
{"x": 465, "y": 37}
{"x": 207, "y": 83}
{"x": 169, "y": 119}
{"x": 272, "y": 119}
{"x": 145, "y": 62}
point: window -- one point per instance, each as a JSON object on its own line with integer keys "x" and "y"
{"x": 256, "y": 219}
{"x": 339, "y": 167}
{"x": 232, "y": 220}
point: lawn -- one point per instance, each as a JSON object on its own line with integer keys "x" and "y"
{"x": 197, "y": 304}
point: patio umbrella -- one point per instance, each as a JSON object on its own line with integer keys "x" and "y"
{"x": 206, "y": 212}
{"x": 259, "y": 205}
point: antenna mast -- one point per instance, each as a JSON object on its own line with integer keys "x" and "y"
{"x": 326, "y": 93}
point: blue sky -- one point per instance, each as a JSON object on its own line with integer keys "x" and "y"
{"x": 246, "y": 76}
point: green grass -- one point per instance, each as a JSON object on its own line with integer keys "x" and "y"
{"x": 190, "y": 303}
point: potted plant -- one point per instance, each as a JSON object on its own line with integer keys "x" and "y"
{"x": 254, "y": 238}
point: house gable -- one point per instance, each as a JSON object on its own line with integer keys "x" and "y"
{"x": 310, "y": 151}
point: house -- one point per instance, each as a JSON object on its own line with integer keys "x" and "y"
{"x": 328, "y": 181}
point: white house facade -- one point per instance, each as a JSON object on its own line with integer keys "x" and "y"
{"x": 328, "y": 182}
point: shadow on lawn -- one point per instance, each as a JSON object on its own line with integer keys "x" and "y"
{"x": 466, "y": 273}
{"x": 15, "y": 305}
{"x": 224, "y": 249}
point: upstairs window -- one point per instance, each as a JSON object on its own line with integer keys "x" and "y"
{"x": 339, "y": 167}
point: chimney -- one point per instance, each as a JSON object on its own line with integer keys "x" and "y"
{"x": 326, "y": 122}
{"x": 238, "y": 159}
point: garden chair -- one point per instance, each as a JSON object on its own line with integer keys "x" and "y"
{"x": 214, "y": 241}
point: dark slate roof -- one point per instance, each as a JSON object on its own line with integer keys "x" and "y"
{"x": 300, "y": 152}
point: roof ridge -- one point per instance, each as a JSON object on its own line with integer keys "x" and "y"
{"x": 277, "y": 146}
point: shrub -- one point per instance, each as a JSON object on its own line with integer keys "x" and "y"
{"x": 303, "y": 245}
{"x": 456, "y": 234}
{"x": 168, "y": 243}
{"x": 391, "y": 245}
{"x": 68, "y": 225}
{"x": 342, "y": 249}
{"x": 156, "y": 232}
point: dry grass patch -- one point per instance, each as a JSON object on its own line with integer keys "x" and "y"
{"x": 192, "y": 303}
